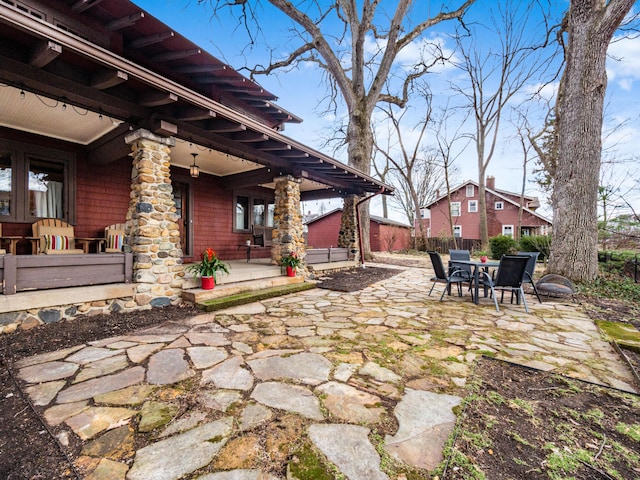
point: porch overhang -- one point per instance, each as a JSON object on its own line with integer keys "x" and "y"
{"x": 149, "y": 77}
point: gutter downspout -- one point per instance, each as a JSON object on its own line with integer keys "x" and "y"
{"x": 366, "y": 199}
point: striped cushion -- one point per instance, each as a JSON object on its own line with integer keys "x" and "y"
{"x": 115, "y": 241}
{"x": 56, "y": 242}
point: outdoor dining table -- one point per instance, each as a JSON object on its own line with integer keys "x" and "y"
{"x": 477, "y": 266}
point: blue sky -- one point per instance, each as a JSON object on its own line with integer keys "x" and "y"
{"x": 302, "y": 89}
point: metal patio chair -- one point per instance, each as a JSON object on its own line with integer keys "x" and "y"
{"x": 509, "y": 276}
{"x": 528, "y": 273}
{"x": 456, "y": 276}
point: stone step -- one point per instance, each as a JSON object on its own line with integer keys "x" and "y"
{"x": 238, "y": 272}
{"x": 198, "y": 295}
{"x": 250, "y": 296}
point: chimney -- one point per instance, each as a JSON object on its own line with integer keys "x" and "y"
{"x": 490, "y": 182}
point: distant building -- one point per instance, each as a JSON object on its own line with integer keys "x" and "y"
{"x": 385, "y": 235}
{"x": 502, "y": 213}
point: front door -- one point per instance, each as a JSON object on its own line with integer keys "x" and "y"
{"x": 181, "y": 199}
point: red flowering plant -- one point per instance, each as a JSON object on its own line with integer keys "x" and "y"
{"x": 209, "y": 265}
{"x": 290, "y": 259}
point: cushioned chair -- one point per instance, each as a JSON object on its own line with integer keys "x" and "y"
{"x": 53, "y": 236}
{"x": 456, "y": 276}
{"x": 508, "y": 277}
{"x": 114, "y": 236}
{"x": 531, "y": 267}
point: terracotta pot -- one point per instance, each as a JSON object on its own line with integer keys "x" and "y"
{"x": 208, "y": 283}
{"x": 291, "y": 271}
{"x": 483, "y": 259}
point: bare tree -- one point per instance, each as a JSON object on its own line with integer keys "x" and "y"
{"x": 494, "y": 77}
{"x": 355, "y": 75}
{"x": 416, "y": 173}
{"x": 589, "y": 27}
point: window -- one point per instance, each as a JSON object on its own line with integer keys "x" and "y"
{"x": 473, "y": 206}
{"x": 455, "y": 209}
{"x": 499, "y": 205}
{"x": 35, "y": 183}
{"x": 471, "y": 190}
{"x": 457, "y": 231}
{"x": 251, "y": 211}
{"x": 507, "y": 230}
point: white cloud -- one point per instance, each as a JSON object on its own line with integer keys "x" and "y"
{"x": 623, "y": 62}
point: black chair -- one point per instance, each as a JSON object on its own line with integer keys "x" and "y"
{"x": 509, "y": 277}
{"x": 528, "y": 273}
{"x": 456, "y": 276}
{"x": 460, "y": 255}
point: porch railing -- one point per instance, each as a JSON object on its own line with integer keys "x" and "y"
{"x": 326, "y": 255}
{"x": 38, "y": 272}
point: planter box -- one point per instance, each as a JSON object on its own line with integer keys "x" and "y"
{"x": 326, "y": 255}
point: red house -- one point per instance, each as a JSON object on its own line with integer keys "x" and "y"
{"x": 386, "y": 235}
{"x": 108, "y": 116}
{"x": 502, "y": 213}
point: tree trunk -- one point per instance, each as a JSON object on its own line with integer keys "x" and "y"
{"x": 574, "y": 249}
{"x": 360, "y": 149}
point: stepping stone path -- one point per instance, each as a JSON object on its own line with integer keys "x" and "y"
{"x": 317, "y": 371}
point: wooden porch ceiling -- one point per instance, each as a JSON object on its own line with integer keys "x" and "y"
{"x": 130, "y": 67}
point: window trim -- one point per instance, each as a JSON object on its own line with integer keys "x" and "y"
{"x": 459, "y": 229}
{"x": 459, "y": 204}
{"x": 499, "y": 202}
{"x": 473, "y": 190}
{"x": 268, "y": 200}
{"x": 475, "y": 210}
{"x": 21, "y": 153}
{"x": 508, "y": 234}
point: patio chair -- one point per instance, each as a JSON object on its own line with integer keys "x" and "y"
{"x": 53, "y": 236}
{"x": 460, "y": 255}
{"x": 114, "y": 235}
{"x": 528, "y": 273}
{"x": 456, "y": 276}
{"x": 509, "y": 277}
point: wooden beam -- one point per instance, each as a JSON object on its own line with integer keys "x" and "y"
{"x": 155, "y": 98}
{"x": 164, "y": 128}
{"x": 108, "y": 78}
{"x": 124, "y": 22}
{"x": 222, "y": 125}
{"x": 249, "y": 136}
{"x": 248, "y": 179}
{"x": 109, "y": 147}
{"x": 82, "y": 5}
{"x": 273, "y": 145}
{"x": 150, "y": 40}
{"x": 190, "y": 69}
{"x": 176, "y": 55}
{"x": 45, "y": 53}
{"x": 192, "y": 114}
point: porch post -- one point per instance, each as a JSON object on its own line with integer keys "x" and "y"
{"x": 151, "y": 224}
{"x": 288, "y": 233}
{"x": 349, "y": 235}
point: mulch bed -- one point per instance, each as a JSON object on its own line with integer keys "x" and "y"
{"x": 356, "y": 279}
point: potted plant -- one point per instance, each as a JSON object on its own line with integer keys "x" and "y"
{"x": 207, "y": 268}
{"x": 291, "y": 261}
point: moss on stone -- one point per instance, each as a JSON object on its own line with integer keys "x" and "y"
{"x": 253, "y": 296}
{"x": 622, "y": 333}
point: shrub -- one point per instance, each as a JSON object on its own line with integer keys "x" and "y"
{"x": 502, "y": 245}
{"x": 536, "y": 243}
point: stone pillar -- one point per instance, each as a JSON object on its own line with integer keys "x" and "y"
{"x": 288, "y": 235}
{"x": 349, "y": 236}
{"x": 151, "y": 224}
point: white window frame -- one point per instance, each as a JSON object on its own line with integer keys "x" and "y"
{"x": 473, "y": 209}
{"x": 505, "y": 227}
{"x": 499, "y": 205}
{"x": 456, "y": 207}
{"x": 457, "y": 229}
{"x": 470, "y": 190}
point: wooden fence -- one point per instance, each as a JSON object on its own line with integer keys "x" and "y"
{"x": 38, "y": 272}
{"x": 443, "y": 245}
